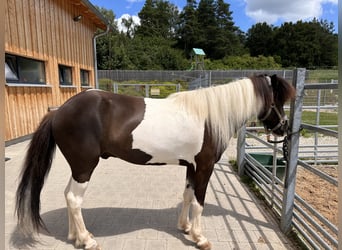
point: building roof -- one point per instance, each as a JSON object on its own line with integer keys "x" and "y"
{"x": 88, "y": 10}
{"x": 198, "y": 52}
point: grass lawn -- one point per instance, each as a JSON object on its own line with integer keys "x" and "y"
{"x": 322, "y": 75}
{"x": 325, "y": 118}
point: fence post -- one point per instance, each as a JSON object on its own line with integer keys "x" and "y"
{"x": 318, "y": 113}
{"x": 340, "y": 129}
{"x": 178, "y": 87}
{"x": 115, "y": 88}
{"x": 241, "y": 143}
{"x": 290, "y": 175}
{"x": 147, "y": 90}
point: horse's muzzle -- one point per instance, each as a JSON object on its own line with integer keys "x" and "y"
{"x": 281, "y": 129}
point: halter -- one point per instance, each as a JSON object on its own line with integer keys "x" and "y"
{"x": 282, "y": 122}
{"x": 273, "y": 107}
{"x": 282, "y": 119}
{"x": 285, "y": 142}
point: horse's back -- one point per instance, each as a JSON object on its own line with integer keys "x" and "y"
{"x": 96, "y": 112}
{"x": 97, "y": 124}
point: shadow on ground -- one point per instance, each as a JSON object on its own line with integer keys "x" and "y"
{"x": 109, "y": 221}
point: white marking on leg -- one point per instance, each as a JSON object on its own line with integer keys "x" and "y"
{"x": 74, "y": 196}
{"x": 183, "y": 221}
{"x": 71, "y": 233}
{"x": 196, "y": 230}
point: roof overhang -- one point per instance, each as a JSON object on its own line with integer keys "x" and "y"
{"x": 88, "y": 10}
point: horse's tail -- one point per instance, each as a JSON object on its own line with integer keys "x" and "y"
{"x": 36, "y": 167}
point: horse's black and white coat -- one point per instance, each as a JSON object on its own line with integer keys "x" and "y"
{"x": 188, "y": 128}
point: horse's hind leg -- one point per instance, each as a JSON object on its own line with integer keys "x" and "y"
{"x": 72, "y": 230}
{"x": 77, "y": 231}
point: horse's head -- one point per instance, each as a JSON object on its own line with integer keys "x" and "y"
{"x": 277, "y": 92}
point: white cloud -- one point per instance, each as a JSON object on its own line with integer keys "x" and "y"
{"x": 121, "y": 26}
{"x": 131, "y": 3}
{"x": 330, "y": 1}
{"x": 134, "y": 1}
{"x": 271, "y": 11}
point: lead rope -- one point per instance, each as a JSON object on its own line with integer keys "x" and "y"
{"x": 285, "y": 142}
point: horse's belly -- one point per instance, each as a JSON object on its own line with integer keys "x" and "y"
{"x": 168, "y": 135}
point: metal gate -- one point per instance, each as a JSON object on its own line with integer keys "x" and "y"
{"x": 276, "y": 179}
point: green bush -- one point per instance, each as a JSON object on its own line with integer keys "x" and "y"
{"x": 106, "y": 84}
{"x": 243, "y": 62}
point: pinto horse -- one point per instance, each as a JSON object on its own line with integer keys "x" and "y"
{"x": 190, "y": 128}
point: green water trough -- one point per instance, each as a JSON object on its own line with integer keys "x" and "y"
{"x": 266, "y": 160}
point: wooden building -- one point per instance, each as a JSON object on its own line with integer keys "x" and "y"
{"x": 49, "y": 57}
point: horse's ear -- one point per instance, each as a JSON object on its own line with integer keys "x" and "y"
{"x": 274, "y": 81}
{"x": 282, "y": 89}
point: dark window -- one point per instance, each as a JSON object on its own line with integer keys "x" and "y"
{"x": 65, "y": 75}
{"x": 24, "y": 70}
{"x": 84, "y": 77}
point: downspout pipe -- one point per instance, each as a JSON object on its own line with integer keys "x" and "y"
{"x": 95, "y": 57}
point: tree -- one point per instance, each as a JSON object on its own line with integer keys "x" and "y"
{"x": 130, "y": 26}
{"x": 306, "y": 44}
{"x": 157, "y": 18}
{"x": 227, "y": 39}
{"x": 329, "y": 41}
{"x": 210, "y": 26}
{"x": 207, "y": 21}
{"x": 104, "y": 44}
{"x": 132, "y": 50}
{"x": 110, "y": 17}
{"x": 259, "y": 39}
{"x": 112, "y": 52}
{"x": 300, "y": 44}
{"x": 188, "y": 28}
{"x": 154, "y": 53}
{"x": 165, "y": 36}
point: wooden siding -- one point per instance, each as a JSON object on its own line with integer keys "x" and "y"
{"x": 44, "y": 30}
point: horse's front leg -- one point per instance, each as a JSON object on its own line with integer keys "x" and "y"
{"x": 201, "y": 180}
{"x": 77, "y": 230}
{"x": 194, "y": 194}
{"x": 196, "y": 229}
{"x": 188, "y": 196}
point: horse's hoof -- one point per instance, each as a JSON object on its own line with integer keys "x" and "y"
{"x": 78, "y": 243}
{"x": 186, "y": 228}
{"x": 71, "y": 237}
{"x": 91, "y": 243}
{"x": 94, "y": 247}
{"x": 205, "y": 246}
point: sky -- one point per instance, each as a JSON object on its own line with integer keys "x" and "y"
{"x": 246, "y": 12}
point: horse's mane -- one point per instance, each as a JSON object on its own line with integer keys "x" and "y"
{"x": 224, "y": 108}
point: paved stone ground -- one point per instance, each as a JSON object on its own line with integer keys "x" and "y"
{"x": 130, "y": 207}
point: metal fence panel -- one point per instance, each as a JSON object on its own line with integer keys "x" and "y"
{"x": 316, "y": 229}
{"x": 219, "y": 76}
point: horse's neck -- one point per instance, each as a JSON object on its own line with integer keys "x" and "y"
{"x": 238, "y": 103}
